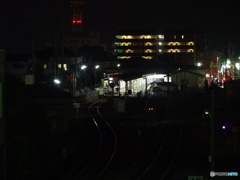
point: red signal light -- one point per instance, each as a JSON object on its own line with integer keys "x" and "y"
{"x": 224, "y": 78}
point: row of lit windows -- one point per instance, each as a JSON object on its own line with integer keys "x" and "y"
{"x": 140, "y": 37}
{"x": 153, "y": 51}
{"x": 45, "y": 66}
{"x": 128, "y": 57}
{"x": 145, "y": 36}
{"x": 153, "y": 44}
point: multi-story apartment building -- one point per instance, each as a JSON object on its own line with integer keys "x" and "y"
{"x": 151, "y": 44}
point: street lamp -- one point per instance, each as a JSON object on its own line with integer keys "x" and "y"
{"x": 56, "y": 81}
{"x": 118, "y": 65}
{"x": 96, "y": 67}
{"x": 82, "y": 68}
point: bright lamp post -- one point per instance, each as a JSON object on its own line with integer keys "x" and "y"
{"x": 95, "y": 74}
{"x": 81, "y": 79}
{"x": 118, "y": 65}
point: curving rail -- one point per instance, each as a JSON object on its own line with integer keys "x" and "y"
{"x": 106, "y": 147}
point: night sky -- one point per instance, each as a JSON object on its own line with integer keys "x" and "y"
{"x": 107, "y": 16}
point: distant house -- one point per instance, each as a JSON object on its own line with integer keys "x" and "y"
{"x": 191, "y": 79}
{"x": 18, "y": 64}
{"x": 57, "y": 105}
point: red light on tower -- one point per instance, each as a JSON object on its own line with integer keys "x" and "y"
{"x": 76, "y": 21}
{"x": 77, "y": 7}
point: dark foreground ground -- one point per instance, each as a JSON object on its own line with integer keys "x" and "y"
{"x": 193, "y": 159}
{"x": 138, "y": 133}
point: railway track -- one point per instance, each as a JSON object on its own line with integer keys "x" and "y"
{"x": 99, "y": 151}
{"x": 107, "y": 145}
{"x": 161, "y": 154}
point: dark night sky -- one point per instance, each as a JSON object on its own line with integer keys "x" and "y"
{"x": 107, "y": 16}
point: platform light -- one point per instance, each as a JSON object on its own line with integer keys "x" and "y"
{"x": 237, "y": 66}
{"x": 83, "y": 67}
{"x": 57, "y": 81}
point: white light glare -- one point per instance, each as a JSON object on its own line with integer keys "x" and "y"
{"x": 228, "y": 66}
{"x": 57, "y": 81}
{"x": 83, "y": 67}
{"x": 237, "y": 66}
{"x": 97, "y": 66}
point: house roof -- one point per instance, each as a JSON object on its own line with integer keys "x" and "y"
{"x": 128, "y": 76}
{"x": 198, "y": 74}
{"x": 18, "y": 57}
{"x": 40, "y": 91}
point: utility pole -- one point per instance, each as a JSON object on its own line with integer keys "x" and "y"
{"x": 194, "y": 39}
{"x": 55, "y": 55}
{"x": 3, "y": 147}
{"x": 62, "y": 47}
{"x": 212, "y": 131}
{"x": 33, "y": 49}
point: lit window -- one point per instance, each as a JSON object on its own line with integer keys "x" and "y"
{"x": 160, "y": 43}
{"x": 182, "y": 36}
{"x": 120, "y": 51}
{"x": 129, "y": 51}
{"x": 190, "y": 43}
{"x": 45, "y": 66}
{"x": 119, "y": 37}
{"x": 147, "y": 57}
{"x": 175, "y": 36}
{"x": 177, "y": 50}
{"x": 190, "y": 50}
{"x": 148, "y": 51}
{"x": 161, "y": 36}
{"x": 159, "y": 50}
{"x": 148, "y": 44}
{"x": 59, "y": 65}
{"x": 128, "y": 37}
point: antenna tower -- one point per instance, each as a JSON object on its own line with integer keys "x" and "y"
{"x": 77, "y": 7}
